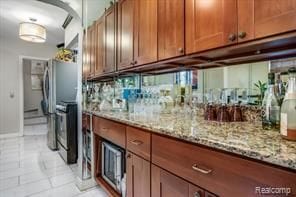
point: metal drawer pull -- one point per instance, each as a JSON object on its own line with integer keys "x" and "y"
{"x": 137, "y": 142}
{"x": 197, "y": 194}
{"x": 105, "y": 129}
{"x": 204, "y": 171}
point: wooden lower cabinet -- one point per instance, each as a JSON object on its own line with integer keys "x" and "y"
{"x": 165, "y": 184}
{"x": 160, "y": 166}
{"x": 217, "y": 172}
{"x": 109, "y": 130}
{"x": 137, "y": 176}
{"x": 195, "y": 191}
{"x": 138, "y": 142}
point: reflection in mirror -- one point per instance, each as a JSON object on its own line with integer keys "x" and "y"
{"x": 243, "y": 81}
{"x": 240, "y": 83}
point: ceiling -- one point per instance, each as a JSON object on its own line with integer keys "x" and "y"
{"x": 92, "y": 9}
{"x": 12, "y": 12}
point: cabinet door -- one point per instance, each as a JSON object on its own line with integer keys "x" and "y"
{"x": 138, "y": 176}
{"x": 210, "y": 24}
{"x": 195, "y": 191}
{"x": 274, "y": 16}
{"x": 125, "y": 34}
{"x": 245, "y": 20}
{"x": 85, "y": 67}
{"x": 110, "y": 41}
{"x": 208, "y": 194}
{"x": 164, "y": 184}
{"x": 100, "y": 46}
{"x": 92, "y": 45}
{"x": 145, "y": 26}
{"x": 170, "y": 28}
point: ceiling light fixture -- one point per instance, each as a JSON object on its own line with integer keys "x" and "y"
{"x": 32, "y": 32}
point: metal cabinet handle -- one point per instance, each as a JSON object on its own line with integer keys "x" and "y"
{"x": 242, "y": 34}
{"x": 128, "y": 156}
{"x": 204, "y": 171}
{"x": 105, "y": 129}
{"x": 137, "y": 142}
{"x": 181, "y": 50}
{"x": 196, "y": 194}
{"x": 232, "y": 37}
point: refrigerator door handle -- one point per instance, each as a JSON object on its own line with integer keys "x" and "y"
{"x": 44, "y": 85}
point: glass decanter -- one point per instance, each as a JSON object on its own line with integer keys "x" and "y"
{"x": 288, "y": 111}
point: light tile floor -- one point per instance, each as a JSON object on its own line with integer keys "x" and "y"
{"x": 28, "y": 168}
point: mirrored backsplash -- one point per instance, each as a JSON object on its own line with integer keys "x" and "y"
{"x": 236, "y": 90}
{"x": 209, "y": 85}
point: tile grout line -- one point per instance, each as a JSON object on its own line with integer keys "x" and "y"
{"x": 52, "y": 189}
{"x": 54, "y": 169}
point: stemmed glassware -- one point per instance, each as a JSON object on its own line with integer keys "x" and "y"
{"x": 210, "y": 110}
{"x": 235, "y": 112}
{"x": 223, "y": 115}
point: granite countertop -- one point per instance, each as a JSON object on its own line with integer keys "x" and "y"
{"x": 243, "y": 138}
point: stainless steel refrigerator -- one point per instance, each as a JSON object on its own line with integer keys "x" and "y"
{"x": 59, "y": 84}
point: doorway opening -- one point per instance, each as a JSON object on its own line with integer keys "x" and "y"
{"x": 34, "y": 119}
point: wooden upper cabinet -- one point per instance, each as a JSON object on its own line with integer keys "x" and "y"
{"x": 274, "y": 16}
{"x": 245, "y": 20}
{"x": 125, "y": 28}
{"x": 92, "y": 49}
{"x": 110, "y": 39}
{"x": 210, "y": 24}
{"x": 170, "y": 28}
{"x": 266, "y": 17}
{"x": 100, "y": 60}
{"x": 85, "y": 67}
{"x": 138, "y": 176}
{"x": 145, "y": 30}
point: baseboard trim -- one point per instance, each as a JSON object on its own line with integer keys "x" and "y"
{"x": 9, "y": 135}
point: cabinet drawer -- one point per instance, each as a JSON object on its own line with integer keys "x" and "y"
{"x": 138, "y": 142}
{"x": 110, "y": 130}
{"x": 220, "y": 173}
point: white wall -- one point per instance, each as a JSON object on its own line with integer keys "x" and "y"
{"x": 71, "y": 31}
{"x": 10, "y": 50}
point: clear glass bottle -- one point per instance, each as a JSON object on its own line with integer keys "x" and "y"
{"x": 270, "y": 106}
{"x": 288, "y": 111}
{"x": 279, "y": 88}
